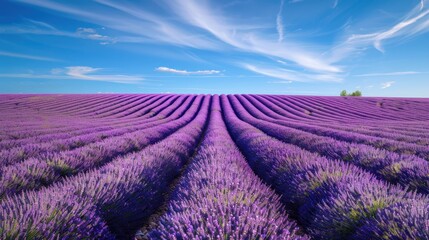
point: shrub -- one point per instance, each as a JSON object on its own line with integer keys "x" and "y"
{"x": 356, "y": 93}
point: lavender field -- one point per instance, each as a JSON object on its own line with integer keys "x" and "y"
{"x": 167, "y": 166}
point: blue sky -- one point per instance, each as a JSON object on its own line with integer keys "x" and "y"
{"x": 300, "y": 47}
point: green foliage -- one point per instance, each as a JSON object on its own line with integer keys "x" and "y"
{"x": 356, "y": 93}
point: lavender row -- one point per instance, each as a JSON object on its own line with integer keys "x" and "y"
{"x": 373, "y": 109}
{"x": 77, "y": 129}
{"x": 397, "y": 136}
{"x": 332, "y": 199}
{"x": 220, "y": 197}
{"x": 333, "y": 107}
{"x": 109, "y": 108}
{"x": 386, "y": 127}
{"x": 400, "y": 136}
{"x": 43, "y": 138}
{"x": 414, "y": 114}
{"x": 345, "y": 107}
{"x": 342, "y": 109}
{"x": 130, "y": 111}
{"x": 307, "y": 114}
{"x": 405, "y": 128}
{"x": 134, "y": 110}
{"x": 29, "y": 131}
{"x": 406, "y": 131}
{"x": 80, "y": 103}
{"x": 68, "y": 143}
{"x": 44, "y": 150}
{"x": 406, "y": 170}
{"x": 117, "y": 103}
{"x": 341, "y": 115}
{"x": 103, "y": 108}
{"x": 38, "y": 172}
{"x": 323, "y": 110}
{"x": 107, "y": 203}
{"x": 395, "y": 146}
{"x": 54, "y": 104}
{"x": 55, "y": 124}
{"x": 379, "y": 142}
{"x": 57, "y": 114}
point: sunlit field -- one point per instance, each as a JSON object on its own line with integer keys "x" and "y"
{"x": 169, "y": 166}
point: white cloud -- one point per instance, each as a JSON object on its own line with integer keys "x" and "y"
{"x": 387, "y": 84}
{"x": 90, "y": 33}
{"x": 185, "y": 72}
{"x": 281, "y": 82}
{"x": 41, "y": 24}
{"x": 85, "y": 73}
{"x": 291, "y": 75}
{"x": 279, "y": 22}
{"x": 30, "y": 26}
{"x": 78, "y": 73}
{"x": 395, "y": 30}
{"x": 387, "y": 74}
{"x": 201, "y": 15}
{"x": 415, "y": 22}
{"x": 26, "y": 56}
{"x": 86, "y": 30}
{"x": 141, "y": 26}
{"x": 199, "y": 25}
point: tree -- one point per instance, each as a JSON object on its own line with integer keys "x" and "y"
{"x": 356, "y": 93}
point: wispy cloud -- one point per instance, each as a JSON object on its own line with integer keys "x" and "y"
{"x": 414, "y": 23}
{"x": 199, "y": 25}
{"x": 91, "y": 33}
{"x": 139, "y": 25}
{"x": 78, "y": 73}
{"x": 279, "y": 21}
{"x": 281, "y": 82}
{"x": 291, "y": 75}
{"x": 41, "y": 24}
{"x": 387, "y": 74}
{"x": 396, "y": 30}
{"x": 26, "y": 56}
{"x": 85, "y": 73}
{"x": 199, "y": 14}
{"x": 387, "y": 84}
{"x": 185, "y": 72}
{"x": 30, "y": 26}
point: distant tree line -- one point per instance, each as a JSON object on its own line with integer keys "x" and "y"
{"x": 356, "y": 93}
